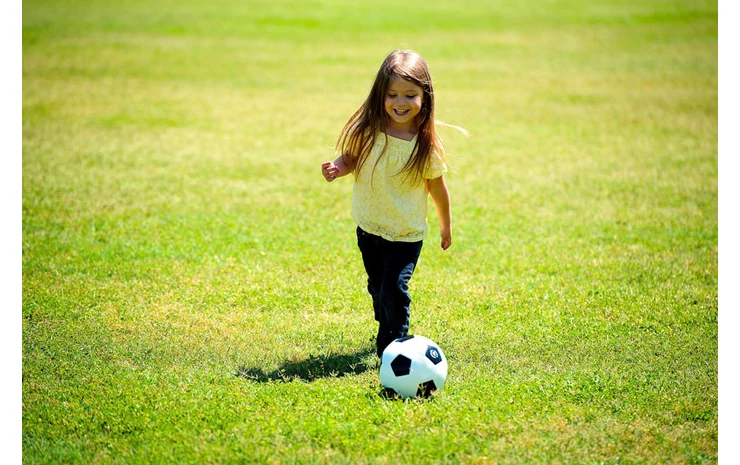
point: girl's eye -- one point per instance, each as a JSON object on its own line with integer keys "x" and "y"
{"x": 410, "y": 96}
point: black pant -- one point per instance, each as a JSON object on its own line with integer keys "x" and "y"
{"x": 389, "y": 267}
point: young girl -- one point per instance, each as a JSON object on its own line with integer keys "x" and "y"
{"x": 391, "y": 146}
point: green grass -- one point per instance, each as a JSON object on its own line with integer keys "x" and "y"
{"x": 192, "y": 292}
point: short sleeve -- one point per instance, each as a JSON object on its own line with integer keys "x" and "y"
{"x": 437, "y": 166}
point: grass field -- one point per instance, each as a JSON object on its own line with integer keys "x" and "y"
{"x": 192, "y": 291}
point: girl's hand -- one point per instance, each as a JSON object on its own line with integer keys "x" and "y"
{"x": 446, "y": 235}
{"x": 329, "y": 170}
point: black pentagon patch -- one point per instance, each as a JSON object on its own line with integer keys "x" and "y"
{"x": 433, "y": 354}
{"x": 401, "y": 365}
{"x": 426, "y": 389}
{"x": 405, "y": 338}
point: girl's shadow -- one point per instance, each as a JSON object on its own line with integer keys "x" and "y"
{"x": 313, "y": 368}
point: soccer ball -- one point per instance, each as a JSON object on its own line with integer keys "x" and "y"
{"x": 413, "y": 366}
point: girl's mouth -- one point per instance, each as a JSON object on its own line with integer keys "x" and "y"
{"x": 400, "y": 112}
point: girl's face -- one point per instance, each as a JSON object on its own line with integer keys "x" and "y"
{"x": 403, "y": 103}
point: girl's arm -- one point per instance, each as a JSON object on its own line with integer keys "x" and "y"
{"x": 332, "y": 171}
{"x": 441, "y": 197}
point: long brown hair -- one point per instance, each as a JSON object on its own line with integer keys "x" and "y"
{"x": 361, "y": 130}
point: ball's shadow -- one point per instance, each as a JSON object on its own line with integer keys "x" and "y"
{"x": 313, "y": 368}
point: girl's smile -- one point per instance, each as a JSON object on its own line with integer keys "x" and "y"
{"x": 403, "y": 102}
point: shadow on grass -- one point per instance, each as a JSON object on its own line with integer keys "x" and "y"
{"x": 312, "y": 368}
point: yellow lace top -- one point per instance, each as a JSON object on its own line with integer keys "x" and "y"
{"x": 386, "y": 204}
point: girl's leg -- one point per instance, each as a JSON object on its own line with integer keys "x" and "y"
{"x": 389, "y": 266}
{"x": 399, "y": 263}
{"x": 372, "y": 258}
